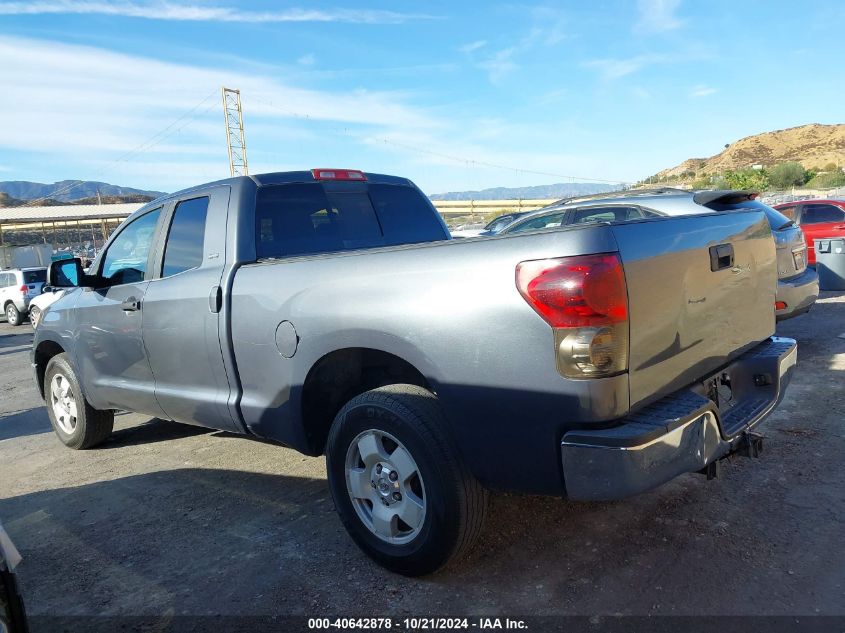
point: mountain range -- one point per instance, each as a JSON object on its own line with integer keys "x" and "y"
{"x": 537, "y": 192}
{"x": 69, "y": 191}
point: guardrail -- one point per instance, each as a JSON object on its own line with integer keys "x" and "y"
{"x": 472, "y": 207}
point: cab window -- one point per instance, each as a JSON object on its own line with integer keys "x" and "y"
{"x": 184, "y": 247}
{"x": 548, "y": 221}
{"x": 605, "y": 214}
{"x": 126, "y": 259}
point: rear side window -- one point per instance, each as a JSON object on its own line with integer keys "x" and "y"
{"x": 34, "y": 276}
{"x": 547, "y": 221}
{"x": 787, "y": 211}
{"x": 184, "y": 246}
{"x": 821, "y": 213}
{"x": 300, "y": 219}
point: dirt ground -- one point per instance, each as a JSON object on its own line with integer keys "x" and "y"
{"x": 167, "y": 519}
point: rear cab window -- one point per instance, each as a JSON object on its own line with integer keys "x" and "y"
{"x": 306, "y": 218}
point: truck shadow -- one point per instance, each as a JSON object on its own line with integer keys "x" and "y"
{"x": 17, "y": 340}
{"x": 149, "y": 432}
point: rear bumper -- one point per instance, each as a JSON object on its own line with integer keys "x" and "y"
{"x": 799, "y": 294}
{"x": 681, "y": 433}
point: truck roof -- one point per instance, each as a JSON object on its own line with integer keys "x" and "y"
{"x": 279, "y": 178}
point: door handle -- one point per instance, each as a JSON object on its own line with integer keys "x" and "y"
{"x": 130, "y": 305}
{"x": 215, "y": 299}
{"x": 721, "y": 257}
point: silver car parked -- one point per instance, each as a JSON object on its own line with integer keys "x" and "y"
{"x": 798, "y": 285}
{"x": 18, "y": 286}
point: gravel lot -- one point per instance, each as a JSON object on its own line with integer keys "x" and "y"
{"x": 170, "y": 519}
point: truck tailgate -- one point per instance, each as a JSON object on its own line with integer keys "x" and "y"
{"x": 701, "y": 291}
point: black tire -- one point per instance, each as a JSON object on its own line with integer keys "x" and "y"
{"x": 13, "y": 315}
{"x": 34, "y": 316}
{"x": 455, "y": 503}
{"x": 92, "y": 426}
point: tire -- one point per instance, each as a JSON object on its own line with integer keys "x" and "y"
{"x": 34, "y": 316}
{"x": 401, "y": 428}
{"x": 77, "y": 424}
{"x": 13, "y": 315}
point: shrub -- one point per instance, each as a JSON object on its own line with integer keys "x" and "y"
{"x": 786, "y": 175}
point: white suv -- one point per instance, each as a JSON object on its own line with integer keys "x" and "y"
{"x": 17, "y": 288}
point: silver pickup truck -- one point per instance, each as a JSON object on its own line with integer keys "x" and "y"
{"x": 329, "y": 311}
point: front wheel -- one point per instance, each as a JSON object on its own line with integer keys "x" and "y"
{"x": 77, "y": 424}
{"x": 34, "y": 316}
{"x": 13, "y": 315}
{"x": 398, "y": 482}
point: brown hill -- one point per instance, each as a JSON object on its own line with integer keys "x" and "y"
{"x": 813, "y": 145}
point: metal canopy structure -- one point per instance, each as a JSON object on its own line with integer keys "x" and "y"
{"x": 66, "y": 225}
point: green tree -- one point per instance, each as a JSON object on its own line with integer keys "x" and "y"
{"x": 786, "y": 175}
{"x": 756, "y": 179}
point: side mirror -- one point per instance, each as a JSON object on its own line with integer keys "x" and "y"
{"x": 65, "y": 273}
{"x": 45, "y": 289}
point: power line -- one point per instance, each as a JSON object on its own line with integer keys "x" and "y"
{"x": 151, "y": 142}
{"x": 452, "y": 157}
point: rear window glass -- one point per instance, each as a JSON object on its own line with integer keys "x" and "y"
{"x": 777, "y": 220}
{"x": 34, "y": 276}
{"x": 299, "y": 219}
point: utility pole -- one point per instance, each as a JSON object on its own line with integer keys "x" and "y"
{"x": 235, "y": 132}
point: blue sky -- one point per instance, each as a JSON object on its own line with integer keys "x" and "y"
{"x": 453, "y": 95}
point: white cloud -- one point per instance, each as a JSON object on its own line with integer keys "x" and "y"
{"x": 500, "y": 64}
{"x": 200, "y": 13}
{"x": 617, "y": 68}
{"x": 472, "y": 46}
{"x": 307, "y": 60}
{"x": 78, "y": 109}
{"x": 89, "y": 105}
{"x": 657, "y": 16}
{"x": 702, "y": 91}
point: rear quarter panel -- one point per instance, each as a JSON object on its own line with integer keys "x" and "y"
{"x": 450, "y": 309}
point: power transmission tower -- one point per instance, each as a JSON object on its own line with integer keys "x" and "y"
{"x": 235, "y": 132}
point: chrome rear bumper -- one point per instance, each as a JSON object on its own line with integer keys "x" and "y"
{"x": 684, "y": 432}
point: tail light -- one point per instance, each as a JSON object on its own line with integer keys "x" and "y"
{"x": 23, "y": 289}
{"x": 585, "y": 300}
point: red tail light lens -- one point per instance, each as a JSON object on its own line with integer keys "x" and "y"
{"x": 581, "y": 291}
{"x": 585, "y": 300}
{"x": 23, "y": 289}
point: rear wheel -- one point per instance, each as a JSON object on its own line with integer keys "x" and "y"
{"x": 398, "y": 482}
{"x": 13, "y": 315}
{"x": 77, "y": 424}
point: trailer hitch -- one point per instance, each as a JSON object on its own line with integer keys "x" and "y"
{"x": 750, "y": 445}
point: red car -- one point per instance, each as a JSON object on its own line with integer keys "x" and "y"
{"x": 818, "y": 219}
